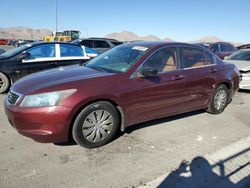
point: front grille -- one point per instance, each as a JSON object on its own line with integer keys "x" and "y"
{"x": 13, "y": 97}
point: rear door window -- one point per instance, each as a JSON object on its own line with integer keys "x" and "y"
{"x": 193, "y": 57}
{"x": 67, "y": 50}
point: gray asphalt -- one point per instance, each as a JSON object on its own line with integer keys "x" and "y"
{"x": 143, "y": 153}
{"x": 6, "y": 47}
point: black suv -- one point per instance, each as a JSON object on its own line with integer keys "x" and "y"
{"x": 99, "y": 44}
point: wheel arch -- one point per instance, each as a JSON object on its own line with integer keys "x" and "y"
{"x": 120, "y": 111}
{"x": 226, "y": 83}
{"x": 7, "y": 75}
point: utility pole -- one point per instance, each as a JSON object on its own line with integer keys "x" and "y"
{"x": 56, "y": 18}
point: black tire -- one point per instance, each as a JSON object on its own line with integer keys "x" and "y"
{"x": 214, "y": 107}
{"x": 86, "y": 116}
{"x": 4, "y": 83}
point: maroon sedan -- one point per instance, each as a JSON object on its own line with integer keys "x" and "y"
{"x": 126, "y": 85}
{"x": 221, "y": 49}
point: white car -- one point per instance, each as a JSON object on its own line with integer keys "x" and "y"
{"x": 241, "y": 59}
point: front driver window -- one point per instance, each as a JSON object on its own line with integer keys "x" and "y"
{"x": 163, "y": 60}
{"x": 42, "y": 51}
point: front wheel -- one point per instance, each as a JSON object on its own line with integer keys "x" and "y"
{"x": 219, "y": 100}
{"x": 96, "y": 125}
{"x": 4, "y": 83}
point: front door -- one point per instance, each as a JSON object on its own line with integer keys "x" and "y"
{"x": 160, "y": 95}
{"x": 40, "y": 58}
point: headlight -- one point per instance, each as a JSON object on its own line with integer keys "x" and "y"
{"x": 46, "y": 99}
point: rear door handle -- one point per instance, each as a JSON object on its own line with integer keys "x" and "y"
{"x": 178, "y": 77}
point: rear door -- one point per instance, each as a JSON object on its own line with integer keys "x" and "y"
{"x": 69, "y": 54}
{"x": 159, "y": 95}
{"x": 201, "y": 76}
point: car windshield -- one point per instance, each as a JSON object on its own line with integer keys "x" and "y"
{"x": 243, "y": 55}
{"x": 14, "y": 51}
{"x": 118, "y": 59}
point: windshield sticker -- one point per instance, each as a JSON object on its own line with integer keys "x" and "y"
{"x": 140, "y": 48}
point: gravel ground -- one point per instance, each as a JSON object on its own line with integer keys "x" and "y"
{"x": 141, "y": 154}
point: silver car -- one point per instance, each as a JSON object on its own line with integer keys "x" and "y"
{"x": 241, "y": 59}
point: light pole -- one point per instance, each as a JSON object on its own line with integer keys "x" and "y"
{"x": 87, "y": 32}
{"x": 56, "y": 18}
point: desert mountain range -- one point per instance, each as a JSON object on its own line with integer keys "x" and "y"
{"x": 23, "y": 33}
{"x": 38, "y": 34}
{"x": 129, "y": 36}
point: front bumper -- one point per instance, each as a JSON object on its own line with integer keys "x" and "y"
{"x": 46, "y": 124}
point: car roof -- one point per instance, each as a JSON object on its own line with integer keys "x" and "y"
{"x": 96, "y": 38}
{"x": 211, "y": 43}
{"x": 156, "y": 44}
{"x": 55, "y": 42}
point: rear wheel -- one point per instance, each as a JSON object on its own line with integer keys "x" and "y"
{"x": 4, "y": 83}
{"x": 219, "y": 100}
{"x": 96, "y": 125}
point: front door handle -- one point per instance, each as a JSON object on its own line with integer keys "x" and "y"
{"x": 178, "y": 77}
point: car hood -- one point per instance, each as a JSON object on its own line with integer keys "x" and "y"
{"x": 57, "y": 76}
{"x": 242, "y": 65}
{"x": 2, "y": 58}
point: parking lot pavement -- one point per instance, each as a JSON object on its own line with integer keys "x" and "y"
{"x": 6, "y": 47}
{"x": 145, "y": 152}
{"x": 228, "y": 167}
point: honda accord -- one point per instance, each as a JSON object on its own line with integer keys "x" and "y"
{"x": 129, "y": 84}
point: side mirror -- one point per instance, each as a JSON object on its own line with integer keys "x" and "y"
{"x": 24, "y": 55}
{"x": 149, "y": 71}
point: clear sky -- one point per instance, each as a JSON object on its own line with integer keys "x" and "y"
{"x": 181, "y": 20}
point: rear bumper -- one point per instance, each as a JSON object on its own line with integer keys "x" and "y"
{"x": 47, "y": 124}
